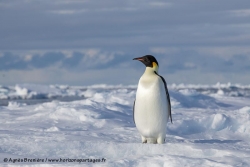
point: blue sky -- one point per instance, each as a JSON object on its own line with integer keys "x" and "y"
{"x": 83, "y": 42}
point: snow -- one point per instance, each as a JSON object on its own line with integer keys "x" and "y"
{"x": 210, "y": 128}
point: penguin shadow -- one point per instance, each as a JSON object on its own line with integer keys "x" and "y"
{"x": 180, "y": 139}
{"x": 214, "y": 141}
{"x": 197, "y": 100}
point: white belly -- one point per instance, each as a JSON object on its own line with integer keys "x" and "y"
{"x": 151, "y": 108}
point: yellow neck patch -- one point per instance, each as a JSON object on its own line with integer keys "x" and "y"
{"x": 155, "y": 66}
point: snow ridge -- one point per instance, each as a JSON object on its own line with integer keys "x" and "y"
{"x": 207, "y": 130}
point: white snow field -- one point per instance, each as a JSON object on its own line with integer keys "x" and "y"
{"x": 211, "y": 127}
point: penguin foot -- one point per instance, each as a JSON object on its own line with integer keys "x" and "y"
{"x": 152, "y": 140}
{"x": 144, "y": 140}
{"x": 160, "y": 140}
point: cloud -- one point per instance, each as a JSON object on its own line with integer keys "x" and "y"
{"x": 10, "y": 61}
{"x": 206, "y": 60}
{"x": 48, "y": 59}
{"x": 171, "y": 60}
{"x": 241, "y": 12}
{"x": 140, "y": 24}
{"x": 70, "y": 60}
{"x": 198, "y": 38}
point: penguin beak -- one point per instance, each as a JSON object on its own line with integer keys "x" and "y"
{"x": 139, "y": 58}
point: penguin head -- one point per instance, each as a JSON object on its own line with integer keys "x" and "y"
{"x": 149, "y": 61}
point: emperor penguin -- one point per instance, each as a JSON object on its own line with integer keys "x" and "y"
{"x": 152, "y": 107}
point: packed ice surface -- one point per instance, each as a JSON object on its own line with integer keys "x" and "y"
{"x": 210, "y": 128}
{"x": 32, "y": 91}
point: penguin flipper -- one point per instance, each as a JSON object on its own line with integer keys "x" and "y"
{"x": 168, "y": 98}
{"x": 134, "y": 112}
